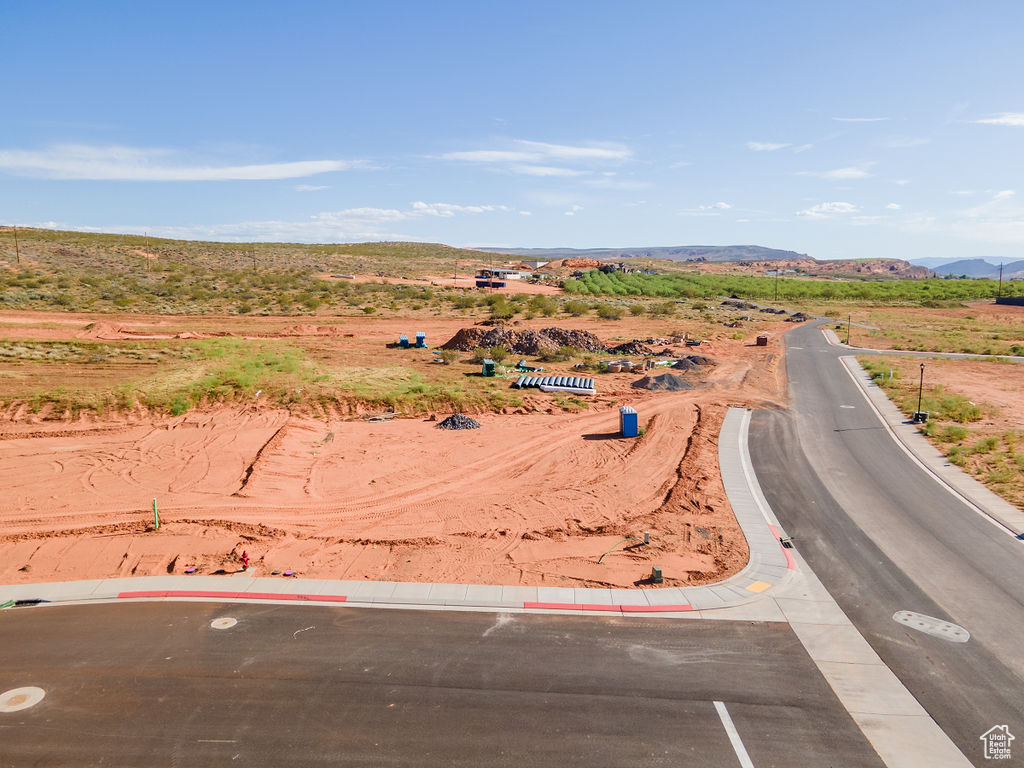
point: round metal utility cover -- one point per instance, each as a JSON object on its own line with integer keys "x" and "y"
{"x": 225, "y": 622}
{"x": 932, "y": 626}
{"x": 18, "y": 699}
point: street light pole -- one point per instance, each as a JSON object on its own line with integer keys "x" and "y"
{"x": 920, "y": 390}
{"x": 849, "y": 323}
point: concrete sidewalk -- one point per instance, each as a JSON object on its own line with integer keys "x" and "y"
{"x": 770, "y": 566}
{"x": 975, "y": 495}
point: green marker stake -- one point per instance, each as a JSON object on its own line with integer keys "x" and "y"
{"x": 156, "y": 517}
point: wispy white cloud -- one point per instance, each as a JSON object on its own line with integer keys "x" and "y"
{"x": 118, "y": 163}
{"x": 802, "y": 148}
{"x": 681, "y": 164}
{"x": 766, "y": 146}
{"x": 541, "y": 158}
{"x": 893, "y": 207}
{"x": 711, "y": 209}
{"x": 1015, "y": 119}
{"x": 850, "y": 172}
{"x": 448, "y": 210}
{"x": 859, "y": 119}
{"x": 572, "y": 211}
{"x": 828, "y": 210}
{"x": 310, "y": 187}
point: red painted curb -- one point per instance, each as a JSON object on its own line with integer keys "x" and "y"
{"x": 790, "y": 561}
{"x": 237, "y": 595}
{"x": 611, "y": 608}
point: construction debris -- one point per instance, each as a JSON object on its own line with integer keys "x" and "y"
{"x": 458, "y": 421}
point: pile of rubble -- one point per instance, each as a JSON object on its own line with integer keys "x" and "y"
{"x": 798, "y": 317}
{"x": 458, "y": 421}
{"x": 523, "y": 342}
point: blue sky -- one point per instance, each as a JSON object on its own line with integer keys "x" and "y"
{"x": 838, "y": 130}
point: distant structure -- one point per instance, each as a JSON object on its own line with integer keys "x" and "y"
{"x": 1016, "y": 301}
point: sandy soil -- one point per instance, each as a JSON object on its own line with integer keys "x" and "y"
{"x": 530, "y": 498}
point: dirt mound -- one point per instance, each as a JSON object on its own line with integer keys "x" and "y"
{"x": 523, "y": 342}
{"x": 458, "y": 421}
{"x": 798, "y": 317}
{"x": 668, "y": 382}
{"x": 634, "y": 347}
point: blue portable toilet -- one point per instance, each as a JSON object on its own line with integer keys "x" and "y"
{"x": 421, "y": 339}
{"x": 403, "y": 341}
{"x": 628, "y": 421}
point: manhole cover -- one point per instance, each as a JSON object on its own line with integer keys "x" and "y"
{"x": 20, "y": 698}
{"x": 932, "y": 626}
{"x": 223, "y": 623}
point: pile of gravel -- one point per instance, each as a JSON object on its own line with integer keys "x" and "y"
{"x": 523, "y": 342}
{"x": 632, "y": 348}
{"x": 797, "y": 317}
{"x": 668, "y": 382}
{"x": 690, "y": 362}
{"x": 458, "y": 421}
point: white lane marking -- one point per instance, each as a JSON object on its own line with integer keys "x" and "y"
{"x": 847, "y": 362}
{"x": 846, "y": 406}
{"x": 794, "y": 347}
{"x": 18, "y": 699}
{"x": 734, "y": 736}
{"x": 225, "y": 622}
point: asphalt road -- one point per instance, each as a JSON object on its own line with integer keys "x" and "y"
{"x": 883, "y": 536}
{"x": 152, "y": 684}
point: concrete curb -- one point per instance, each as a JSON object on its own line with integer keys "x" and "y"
{"x": 833, "y": 339}
{"x": 976, "y": 496}
{"x": 769, "y": 567}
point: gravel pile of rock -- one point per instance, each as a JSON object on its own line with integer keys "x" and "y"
{"x": 690, "y": 362}
{"x": 668, "y": 382}
{"x": 797, "y": 317}
{"x": 458, "y": 421}
{"x": 523, "y": 342}
{"x": 632, "y": 348}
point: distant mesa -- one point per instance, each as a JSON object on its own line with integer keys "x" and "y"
{"x": 673, "y": 253}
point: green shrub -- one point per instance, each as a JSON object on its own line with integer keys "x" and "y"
{"x": 953, "y": 434}
{"x": 637, "y": 309}
{"x": 576, "y": 308}
{"x": 985, "y": 445}
{"x": 609, "y": 312}
{"x": 560, "y": 355}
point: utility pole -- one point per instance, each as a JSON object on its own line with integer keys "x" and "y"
{"x": 776, "y": 283}
{"x": 1000, "y": 293}
{"x": 17, "y": 250}
{"x": 920, "y": 391}
{"x": 849, "y": 324}
{"x": 455, "y": 275}
{"x": 254, "y": 258}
